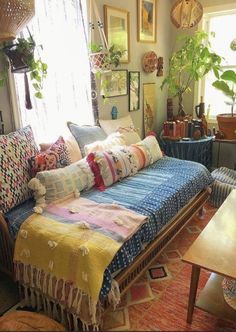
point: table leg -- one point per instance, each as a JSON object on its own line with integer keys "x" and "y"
{"x": 193, "y": 292}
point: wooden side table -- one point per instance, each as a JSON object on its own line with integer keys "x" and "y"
{"x": 215, "y": 251}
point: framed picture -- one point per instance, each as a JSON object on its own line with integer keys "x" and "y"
{"x": 134, "y": 90}
{"x": 149, "y": 106}
{"x": 114, "y": 83}
{"x": 147, "y": 17}
{"x": 117, "y": 29}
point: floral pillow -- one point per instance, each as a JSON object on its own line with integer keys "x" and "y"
{"x": 111, "y": 166}
{"x": 56, "y": 156}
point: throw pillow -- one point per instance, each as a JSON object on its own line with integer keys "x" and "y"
{"x": 55, "y": 156}
{"x": 115, "y": 139}
{"x": 15, "y": 150}
{"x": 63, "y": 182}
{"x": 86, "y": 135}
{"x": 73, "y": 150}
{"x": 130, "y": 135}
{"x": 111, "y": 126}
{"x": 111, "y": 165}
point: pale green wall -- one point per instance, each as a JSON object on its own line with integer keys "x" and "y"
{"x": 163, "y": 47}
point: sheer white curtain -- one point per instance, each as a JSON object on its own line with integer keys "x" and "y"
{"x": 58, "y": 26}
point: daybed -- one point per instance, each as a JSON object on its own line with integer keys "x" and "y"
{"x": 169, "y": 192}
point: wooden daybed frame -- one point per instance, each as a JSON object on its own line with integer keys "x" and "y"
{"x": 130, "y": 274}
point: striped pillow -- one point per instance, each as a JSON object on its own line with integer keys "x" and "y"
{"x": 112, "y": 165}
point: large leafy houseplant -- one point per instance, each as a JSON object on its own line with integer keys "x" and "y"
{"x": 189, "y": 64}
{"x": 226, "y": 83}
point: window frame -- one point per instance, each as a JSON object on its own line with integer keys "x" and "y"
{"x": 210, "y": 12}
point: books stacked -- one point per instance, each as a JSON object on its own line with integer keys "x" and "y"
{"x": 183, "y": 129}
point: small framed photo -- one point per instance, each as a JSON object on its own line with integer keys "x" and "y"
{"x": 134, "y": 91}
{"x": 147, "y": 17}
{"x": 117, "y": 29}
{"x": 114, "y": 83}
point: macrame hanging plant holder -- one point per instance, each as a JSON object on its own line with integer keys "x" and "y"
{"x": 14, "y": 15}
{"x": 98, "y": 60}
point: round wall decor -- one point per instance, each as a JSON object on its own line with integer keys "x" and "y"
{"x": 150, "y": 62}
{"x": 186, "y": 14}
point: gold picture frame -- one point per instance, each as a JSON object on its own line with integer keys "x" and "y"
{"x": 147, "y": 18}
{"x": 117, "y": 29}
{"x": 149, "y": 106}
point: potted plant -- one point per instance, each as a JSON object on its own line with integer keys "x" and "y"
{"x": 227, "y": 122}
{"x": 103, "y": 60}
{"x": 20, "y": 54}
{"x": 189, "y": 64}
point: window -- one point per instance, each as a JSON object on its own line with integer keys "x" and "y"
{"x": 58, "y": 26}
{"x": 223, "y": 25}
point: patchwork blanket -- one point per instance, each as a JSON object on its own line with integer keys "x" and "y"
{"x": 64, "y": 252}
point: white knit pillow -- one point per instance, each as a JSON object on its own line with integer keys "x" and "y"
{"x": 115, "y": 139}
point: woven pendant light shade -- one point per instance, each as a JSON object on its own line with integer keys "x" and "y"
{"x": 186, "y": 14}
{"x": 14, "y": 15}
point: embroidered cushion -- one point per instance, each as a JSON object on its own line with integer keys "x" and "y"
{"x": 63, "y": 182}
{"x": 111, "y": 126}
{"x": 115, "y": 139}
{"x": 72, "y": 146}
{"x": 15, "y": 150}
{"x": 130, "y": 134}
{"x": 146, "y": 152}
{"x": 55, "y": 156}
{"x": 111, "y": 165}
{"x": 86, "y": 135}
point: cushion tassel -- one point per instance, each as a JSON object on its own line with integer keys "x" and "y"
{"x": 75, "y": 322}
{"x": 63, "y": 321}
{"x": 56, "y": 288}
{"x": 26, "y": 299}
{"x": 26, "y": 277}
{"x": 55, "y": 314}
{"x": 63, "y": 296}
{"x": 38, "y": 301}
{"x": 45, "y": 284}
{"x": 32, "y": 298}
{"x": 49, "y": 308}
{"x": 50, "y": 293}
{"x": 69, "y": 321}
{"x": 70, "y": 297}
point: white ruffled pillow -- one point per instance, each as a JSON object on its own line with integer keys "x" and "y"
{"x": 115, "y": 139}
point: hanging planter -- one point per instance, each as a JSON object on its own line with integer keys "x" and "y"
{"x": 98, "y": 59}
{"x": 20, "y": 54}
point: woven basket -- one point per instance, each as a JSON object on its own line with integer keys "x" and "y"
{"x": 15, "y": 14}
{"x": 186, "y": 14}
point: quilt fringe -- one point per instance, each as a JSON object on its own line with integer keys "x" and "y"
{"x": 60, "y": 299}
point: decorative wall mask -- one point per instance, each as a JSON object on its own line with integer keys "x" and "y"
{"x": 150, "y": 62}
{"x": 185, "y": 14}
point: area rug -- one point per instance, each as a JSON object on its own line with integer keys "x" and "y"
{"x": 8, "y": 293}
{"x": 158, "y": 300}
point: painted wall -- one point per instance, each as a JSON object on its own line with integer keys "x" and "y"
{"x": 163, "y": 47}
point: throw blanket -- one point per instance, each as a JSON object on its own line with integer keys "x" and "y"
{"x": 64, "y": 252}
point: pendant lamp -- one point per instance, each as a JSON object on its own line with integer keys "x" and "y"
{"x": 14, "y": 15}
{"x": 185, "y": 14}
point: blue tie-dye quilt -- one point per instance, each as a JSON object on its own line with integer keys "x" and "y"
{"x": 158, "y": 191}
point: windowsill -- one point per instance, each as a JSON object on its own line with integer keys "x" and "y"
{"x": 212, "y": 120}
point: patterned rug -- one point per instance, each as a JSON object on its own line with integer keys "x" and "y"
{"x": 158, "y": 301}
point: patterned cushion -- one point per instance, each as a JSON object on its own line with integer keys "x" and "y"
{"x": 63, "y": 182}
{"x": 112, "y": 140}
{"x": 55, "y": 156}
{"x": 15, "y": 150}
{"x": 86, "y": 135}
{"x": 111, "y": 165}
{"x": 130, "y": 135}
{"x": 71, "y": 145}
{"x": 146, "y": 152}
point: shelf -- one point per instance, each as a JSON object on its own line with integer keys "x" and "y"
{"x": 211, "y": 299}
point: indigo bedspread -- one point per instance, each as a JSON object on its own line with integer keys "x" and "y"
{"x": 158, "y": 191}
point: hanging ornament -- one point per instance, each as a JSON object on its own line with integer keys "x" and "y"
{"x": 186, "y": 14}
{"x": 233, "y": 45}
{"x": 15, "y": 14}
{"x": 150, "y": 62}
